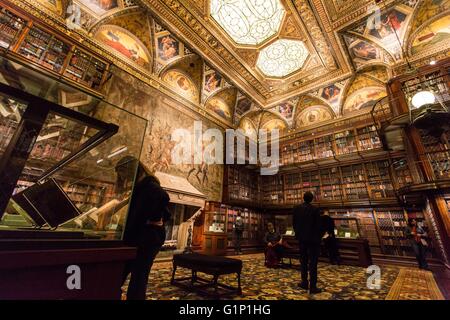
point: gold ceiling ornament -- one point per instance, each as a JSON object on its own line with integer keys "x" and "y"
{"x": 248, "y": 22}
{"x": 307, "y": 15}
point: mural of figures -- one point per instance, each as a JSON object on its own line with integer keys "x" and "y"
{"x": 365, "y": 51}
{"x": 182, "y": 84}
{"x": 331, "y": 94}
{"x": 125, "y": 43}
{"x": 168, "y": 47}
{"x": 391, "y": 22}
{"x": 219, "y": 107}
{"x": 313, "y": 115}
{"x": 247, "y": 126}
{"x": 244, "y": 104}
{"x": 387, "y": 32}
{"x": 212, "y": 82}
{"x": 275, "y": 124}
{"x": 164, "y": 116}
{"x": 286, "y": 110}
{"x": 435, "y": 33}
{"x": 99, "y": 7}
{"x": 363, "y": 98}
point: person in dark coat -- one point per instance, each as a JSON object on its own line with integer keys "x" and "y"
{"x": 145, "y": 222}
{"x": 417, "y": 235}
{"x": 329, "y": 239}
{"x": 308, "y": 231}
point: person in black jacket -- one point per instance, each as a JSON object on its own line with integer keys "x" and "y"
{"x": 145, "y": 222}
{"x": 329, "y": 239}
{"x": 308, "y": 231}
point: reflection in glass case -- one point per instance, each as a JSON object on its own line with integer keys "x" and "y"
{"x": 72, "y": 157}
{"x": 346, "y": 228}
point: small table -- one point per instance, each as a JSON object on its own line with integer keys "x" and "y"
{"x": 211, "y": 265}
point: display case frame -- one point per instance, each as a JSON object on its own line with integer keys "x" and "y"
{"x": 20, "y": 146}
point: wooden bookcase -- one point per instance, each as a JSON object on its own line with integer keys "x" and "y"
{"x": 328, "y": 145}
{"x": 23, "y": 39}
{"x": 221, "y": 218}
{"x": 437, "y": 152}
{"x": 356, "y": 182}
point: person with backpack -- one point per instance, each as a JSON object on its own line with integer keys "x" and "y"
{"x": 238, "y": 231}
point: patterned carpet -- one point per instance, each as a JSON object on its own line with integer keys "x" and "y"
{"x": 261, "y": 283}
{"x": 415, "y": 284}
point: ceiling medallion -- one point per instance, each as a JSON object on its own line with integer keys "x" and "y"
{"x": 248, "y": 22}
{"x": 282, "y": 58}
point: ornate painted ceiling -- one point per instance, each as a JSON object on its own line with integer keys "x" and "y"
{"x": 269, "y": 63}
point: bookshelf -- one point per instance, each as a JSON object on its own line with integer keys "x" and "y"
{"x": 437, "y": 151}
{"x": 272, "y": 189}
{"x": 304, "y": 151}
{"x": 215, "y": 218}
{"x": 330, "y": 184}
{"x": 242, "y": 184}
{"x": 345, "y": 142}
{"x": 85, "y": 69}
{"x": 39, "y": 46}
{"x": 354, "y": 182}
{"x": 11, "y": 26}
{"x": 379, "y": 180}
{"x": 220, "y": 218}
{"x": 324, "y": 147}
{"x": 402, "y": 172}
{"x": 311, "y": 182}
{"x": 293, "y": 188}
{"x": 391, "y": 225}
{"x": 368, "y": 138}
{"x": 44, "y": 49}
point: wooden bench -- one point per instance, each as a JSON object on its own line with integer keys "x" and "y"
{"x": 211, "y": 265}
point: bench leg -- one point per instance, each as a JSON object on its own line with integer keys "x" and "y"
{"x": 215, "y": 279}
{"x": 194, "y": 277}
{"x": 239, "y": 283}
{"x": 173, "y": 274}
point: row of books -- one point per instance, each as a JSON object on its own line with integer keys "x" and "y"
{"x": 50, "y": 52}
{"x": 345, "y": 142}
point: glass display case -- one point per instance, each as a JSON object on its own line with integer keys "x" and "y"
{"x": 347, "y": 228}
{"x": 57, "y": 141}
{"x": 215, "y": 218}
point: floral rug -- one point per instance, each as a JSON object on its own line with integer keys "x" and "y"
{"x": 261, "y": 283}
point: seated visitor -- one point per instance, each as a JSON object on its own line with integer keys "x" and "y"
{"x": 274, "y": 246}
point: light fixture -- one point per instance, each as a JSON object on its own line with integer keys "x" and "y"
{"x": 422, "y": 98}
{"x": 432, "y": 62}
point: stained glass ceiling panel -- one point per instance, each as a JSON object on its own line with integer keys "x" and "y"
{"x": 282, "y": 58}
{"x": 249, "y": 22}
